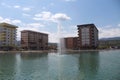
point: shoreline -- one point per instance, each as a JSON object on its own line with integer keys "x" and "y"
{"x": 53, "y": 51}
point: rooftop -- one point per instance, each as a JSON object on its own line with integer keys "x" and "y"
{"x": 8, "y": 25}
{"x": 33, "y": 31}
{"x": 86, "y": 25}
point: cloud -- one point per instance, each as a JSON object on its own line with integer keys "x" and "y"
{"x": 16, "y": 22}
{"x": 36, "y": 25}
{"x": 48, "y": 16}
{"x": 27, "y": 15}
{"x": 106, "y": 32}
{"x": 60, "y": 17}
{"x": 118, "y": 25}
{"x": 22, "y": 26}
{"x": 17, "y": 6}
{"x": 53, "y": 37}
{"x": 26, "y": 9}
{"x": 7, "y": 20}
{"x": 6, "y": 5}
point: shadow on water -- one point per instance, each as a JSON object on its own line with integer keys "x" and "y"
{"x": 88, "y": 65}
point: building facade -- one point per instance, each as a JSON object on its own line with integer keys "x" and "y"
{"x": 7, "y": 35}
{"x": 71, "y": 43}
{"x": 87, "y": 36}
{"x": 31, "y": 40}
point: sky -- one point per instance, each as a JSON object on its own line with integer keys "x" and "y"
{"x": 45, "y": 16}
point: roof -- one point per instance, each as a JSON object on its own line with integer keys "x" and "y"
{"x": 33, "y": 31}
{"x": 86, "y": 25}
{"x": 70, "y": 37}
{"x": 8, "y": 25}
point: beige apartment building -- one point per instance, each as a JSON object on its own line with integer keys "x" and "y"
{"x": 32, "y": 40}
{"x": 87, "y": 36}
{"x": 7, "y": 35}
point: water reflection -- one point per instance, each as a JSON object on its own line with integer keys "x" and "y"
{"x": 63, "y": 67}
{"x": 33, "y": 66}
{"x": 80, "y": 66}
{"x": 83, "y": 65}
{"x": 7, "y": 64}
{"x": 23, "y": 66}
{"x": 88, "y": 65}
{"x": 33, "y": 55}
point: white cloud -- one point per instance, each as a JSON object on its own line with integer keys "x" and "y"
{"x": 6, "y": 5}
{"x": 21, "y": 25}
{"x": 1, "y": 18}
{"x": 48, "y": 16}
{"x": 27, "y": 15}
{"x": 7, "y": 20}
{"x": 36, "y": 25}
{"x": 119, "y": 25}
{"x": 26, "y": 9}
{"x": 17, "y": 6}
{"x": 107, "y": 32}
{"x": 53, "y": 37}
{"x": 16, "y": 22}
{"x": 60, "y": 17}
{"x": 43, "y": 16}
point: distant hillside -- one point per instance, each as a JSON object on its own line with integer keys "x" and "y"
{"x": 112, "y": 38}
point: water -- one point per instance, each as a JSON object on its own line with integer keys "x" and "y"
{"x": 84, "y": 65}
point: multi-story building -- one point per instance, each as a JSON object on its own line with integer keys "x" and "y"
{"x": 88, "y": 36}
{"x": 7, "y": 35}
{"x": 71, "y": 43}
{"x": 31, "y": 40}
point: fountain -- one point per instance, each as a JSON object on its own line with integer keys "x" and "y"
{"x": 61, "y": 46}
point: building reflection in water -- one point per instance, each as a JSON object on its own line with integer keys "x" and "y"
{"x": 63, "y": 67}
{"x": 33, "y": 56}
{"x": 34, "y": 66}
{"x": 7, "y": 66}
{"x": 88, "y": 65}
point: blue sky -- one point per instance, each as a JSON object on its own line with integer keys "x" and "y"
{"x": 44, "y": 16}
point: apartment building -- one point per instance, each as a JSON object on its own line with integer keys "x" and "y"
{"x": 32, "y": 40}
{"x": 71, "y": 43}
{"x": 87, "y": 36}
{"x": 7, "y": 35}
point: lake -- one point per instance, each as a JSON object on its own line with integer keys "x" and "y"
{"x": 82, "y": 65}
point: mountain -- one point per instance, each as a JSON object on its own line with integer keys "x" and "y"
{"x": 111, "y": 38}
